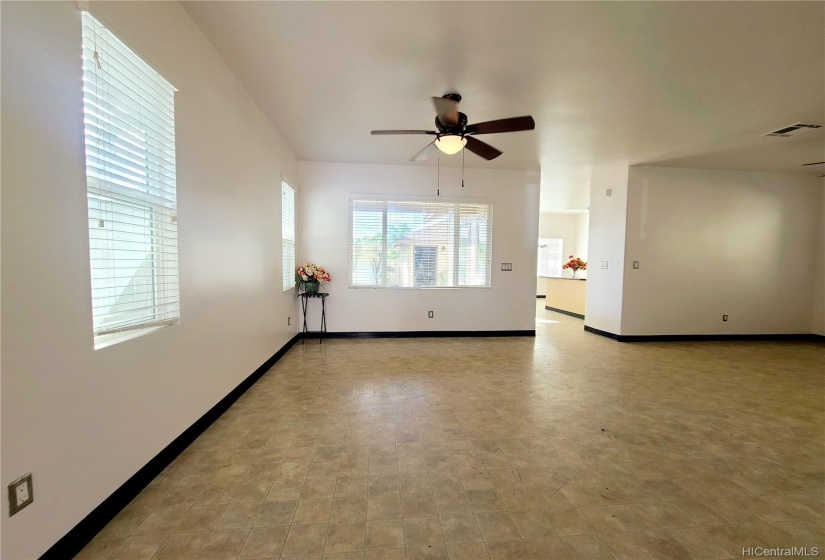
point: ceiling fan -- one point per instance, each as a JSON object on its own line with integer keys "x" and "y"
{"x": 452, "y": 132}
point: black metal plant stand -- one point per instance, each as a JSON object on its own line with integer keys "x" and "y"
{"x": 305, "y": 297}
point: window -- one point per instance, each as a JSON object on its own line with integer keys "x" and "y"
{"x": 420, "y": 244}
{"x": 550, "y": 257}
{"x": 129, "y": 120}
{"x": 288, "y": 235}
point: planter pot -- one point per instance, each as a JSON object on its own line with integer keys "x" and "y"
{"x": 311, "y": 287}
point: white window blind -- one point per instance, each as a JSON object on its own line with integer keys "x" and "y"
{"x": 288, "y": 235}
{"x": 420, "y": 244}
{"x": 130, "y": 171}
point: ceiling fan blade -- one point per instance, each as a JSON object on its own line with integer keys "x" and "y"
{"x": 481, "y": 148}
{"x": 513, "y": 124}
{"x": 447, "y": 110}
{"x": 377, "y": 132}
{"x": 429, "y": 151}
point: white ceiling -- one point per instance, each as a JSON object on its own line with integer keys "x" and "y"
{"x": 688, "y": 84}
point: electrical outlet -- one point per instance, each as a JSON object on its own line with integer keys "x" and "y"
{"x": 604, "y": 264}
{"x": 724, "y": 317}
{"x": 429, "y": 314}
{"x": 635, "y": 265}
{"x": 507, "y": 267}
{"x": 21, "y": 493}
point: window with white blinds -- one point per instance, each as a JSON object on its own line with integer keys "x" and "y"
{"x": 288, "y": 235}
{"x": 129, "y": 118}
{"x": 550, "y": 257}
{"x": 420, "y": 244}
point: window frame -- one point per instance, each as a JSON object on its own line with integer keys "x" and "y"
{"x": 456, "y": 241}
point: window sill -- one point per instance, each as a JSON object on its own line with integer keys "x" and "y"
{"x": 106, "y": 340}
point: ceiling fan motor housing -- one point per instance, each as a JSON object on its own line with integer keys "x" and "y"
{"x": 456, "y": 129}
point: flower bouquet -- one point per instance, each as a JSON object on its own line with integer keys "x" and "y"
{"x": 575, "y": 264}
{"x": 310, "y": 276}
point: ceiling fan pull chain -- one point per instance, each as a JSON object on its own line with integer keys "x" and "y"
{"x": 462, "y": 169}
{"x": 438, "y": 185}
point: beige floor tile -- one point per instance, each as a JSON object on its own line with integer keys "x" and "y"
{"x": 497, "y": 526}
{"x": 586, "y": 547}
{"x": 349, "y": 510}
{"x": 418, "y": 505}
{"x": 349, "y": 486}
{"x": 200, "y": 518}
{"x": 100, "y": 549}
{"x": 624, "y": 546}
{"x": 601, "y": 519}
{"x": 532, "y": 524}
{"x": 318, "y": 488}
{"x": 422, "y": 531}
{"x": 568, "y": 522}
{"x": 385, "y": 533}
{"x": 634, "y": 517}
{"x": 460, "y": 529}
{"x": 548, "y": 549}
{"x": 662, "y": 544}
{"x": 276, "y": 513}
{"x": 484, "y": 501}
{"x": 414, "y": 483}
{"x": 384, "y": 506}
{"x": 310, "y": 512}
{"x": 305, "y": 540}
{"x": 222, "y": 545}
{"x": 161, "y": 520}
{"x": 345, "y": 537}
{"x": 467, "y": 551}
{"x": 699, "y": 543}
{"x": 218, "y": 493}
{"x": 139, "y": 547}
{"x": 508, "y": 550}
{"x": 264, "y": 542}
{"x": 437, "y": 552}
{"x": 238, "y": 516}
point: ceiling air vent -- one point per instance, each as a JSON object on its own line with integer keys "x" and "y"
{"x": 786, "y": 131}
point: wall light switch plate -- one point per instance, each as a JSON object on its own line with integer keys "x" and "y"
{"x": 635, "y": 265}
{"x": 604, "y": 264}
{"x": 507, "y": 267}
{"x": 21, "y": 493}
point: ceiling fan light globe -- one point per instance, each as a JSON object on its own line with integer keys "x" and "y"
{"x": 451, "y": 143}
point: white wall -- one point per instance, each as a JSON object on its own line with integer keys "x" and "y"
{"x": 716, "y": 242}
{"x": 323, "y": 229}
{"x": 606, "y": 240}
{"x": 83, "y": 421}
{"x": 818, "y": 311}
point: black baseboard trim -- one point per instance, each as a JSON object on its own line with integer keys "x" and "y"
{"x": 420, "y": 334}
{"x": 706, "y": 337}
{"x": 563, "y": 312}
{"x": 540, "y": 297}
{"x": 74, "y": 541}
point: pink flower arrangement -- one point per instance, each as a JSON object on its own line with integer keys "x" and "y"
{"x": 312, "y": 273}
{"x": 575, "y": 264}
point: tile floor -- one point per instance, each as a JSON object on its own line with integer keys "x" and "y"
{"x": 568, "y": 445}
